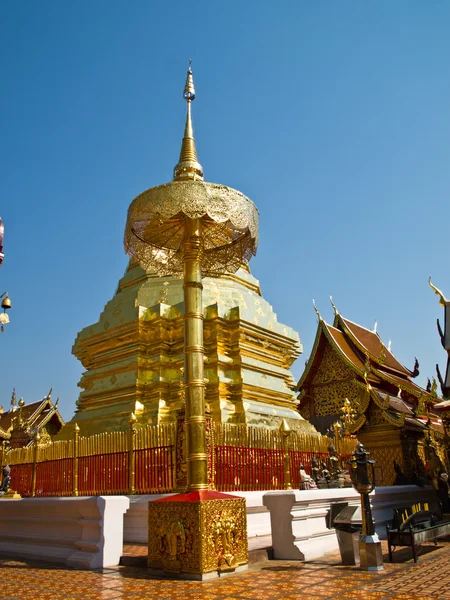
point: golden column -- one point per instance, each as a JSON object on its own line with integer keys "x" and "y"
{"x": 193, "y": 229}
{"x": 197, "y": 458}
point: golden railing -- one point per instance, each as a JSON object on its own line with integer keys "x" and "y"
{"x": 138, "y": 461}
{"x": 253, "y": 458}
{"x": 142, "y": 460}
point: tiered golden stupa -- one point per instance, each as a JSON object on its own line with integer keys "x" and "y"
{"x": 134, "y": 358}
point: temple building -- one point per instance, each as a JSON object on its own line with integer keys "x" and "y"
{"x": 445, "y": 341}
{"x": 389, "y": 413}
{"x": 20, "y": 424}
{"x": 134, "y": 358}
{"x": 443, "y": 407}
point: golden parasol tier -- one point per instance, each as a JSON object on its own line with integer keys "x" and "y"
{"x": 192, "y": 228}
{"x": 156, "y": 225}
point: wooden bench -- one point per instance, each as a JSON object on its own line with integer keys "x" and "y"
{"x": 414, "y": 525}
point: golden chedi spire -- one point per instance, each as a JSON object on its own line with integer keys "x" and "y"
{"x": 188, "y": 166}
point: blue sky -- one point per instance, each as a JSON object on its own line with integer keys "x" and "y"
{"x": 334, "y": 117}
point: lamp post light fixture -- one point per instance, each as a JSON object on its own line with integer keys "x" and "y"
{"x": 6, "y": 305}
{"x": 363, "y": 478}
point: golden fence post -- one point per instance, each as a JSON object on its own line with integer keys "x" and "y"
{"x": 76, "y": 442}
{"x": 285, "y": 432}
{"x": 213, "y": 453}
{"x": 35, "y": 455}
{"x": 4, "y": 443}
{"x": 131, "y": 456}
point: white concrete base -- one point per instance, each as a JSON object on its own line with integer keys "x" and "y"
{"x": 84, "y": 533}
{"x": 136, "y": 518}
{"x": 298, "y": 518}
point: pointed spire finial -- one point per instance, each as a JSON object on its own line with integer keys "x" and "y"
{"x": 336, "y": 312}
{"x": 442, "y": 299}
{"x": 319, "y": 318}
{"x": 188, "y": 166}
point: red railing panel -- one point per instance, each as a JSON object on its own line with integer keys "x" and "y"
{"x": 21, "y": 477}
{"x": 103, "y": 474}
{"x": 154, "y": 470}
{"x": 54, "y": 477}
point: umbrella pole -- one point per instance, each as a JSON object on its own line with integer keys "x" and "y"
{"x": 197, "y": 457}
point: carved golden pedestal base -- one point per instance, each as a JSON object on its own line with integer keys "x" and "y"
{"x": 10, "y": 494}
{"x": 197, "y": 535}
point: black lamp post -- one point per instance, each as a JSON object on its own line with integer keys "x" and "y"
{"x": 363, "y": 479}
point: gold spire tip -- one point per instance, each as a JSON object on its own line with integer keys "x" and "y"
{"x": 188, "y": 166}
{"x": 189, "y": 89}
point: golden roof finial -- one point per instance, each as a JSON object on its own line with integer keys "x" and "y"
{"x": 188, "y": 166}
{"x": 442, "y": 299}
{"x": 336, "y": 312}
{"x": 319, "y": 318}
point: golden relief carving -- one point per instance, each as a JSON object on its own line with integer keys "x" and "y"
{"x": 224, "y": 538}
{"x": 376, "y": 416}
{"x": 305, "y": 411}
{"x": 331, "y": 368}
{"x": 421, "y": 455}
{"x": 328, "y": 399}
{"x": 172, "y": 543}
{"x": 198, "y": 537}
{"x": 384, "y": 463}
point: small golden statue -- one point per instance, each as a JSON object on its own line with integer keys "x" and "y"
{"x": 5, "y": 490}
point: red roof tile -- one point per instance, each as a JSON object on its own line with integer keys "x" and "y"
{"x": 371, "y": 342}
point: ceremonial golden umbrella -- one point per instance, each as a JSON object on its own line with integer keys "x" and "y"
{"x": 192, "y": 228}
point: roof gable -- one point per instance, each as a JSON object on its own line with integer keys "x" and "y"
{"x": 372, "y": 345}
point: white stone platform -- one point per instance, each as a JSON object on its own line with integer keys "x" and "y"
{"x": 299, "y": 518}
{"x": 89, "y": 532}
{"x": 84, "y": 533}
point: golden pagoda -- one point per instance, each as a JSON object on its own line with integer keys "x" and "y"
{"x": 134, "y": 357}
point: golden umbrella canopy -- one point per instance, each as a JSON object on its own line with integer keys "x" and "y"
{"x": 156, "y": 222}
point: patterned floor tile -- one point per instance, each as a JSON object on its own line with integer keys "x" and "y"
{"x": 412, "y": 597}
{"x": 318, "y": 590}
{"x": 429, "y": 579}
{"x": 364, "y": 595}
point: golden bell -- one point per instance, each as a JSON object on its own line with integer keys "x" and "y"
{"x": 6, "y": 303}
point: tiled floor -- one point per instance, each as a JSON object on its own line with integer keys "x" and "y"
{"x": 277, "y": 580}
